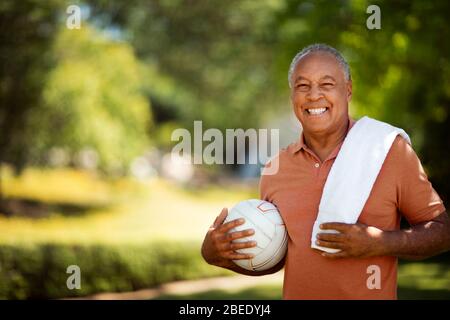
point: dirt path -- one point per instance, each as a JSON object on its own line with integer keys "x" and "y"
{"x": 238, "y": 282}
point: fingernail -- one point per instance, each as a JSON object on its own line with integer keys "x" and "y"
{"x": 241, "y": 220}
{"x": 324, "y": 254}
{"x": 321, "y": 226}
{"x": 317, "y": 242}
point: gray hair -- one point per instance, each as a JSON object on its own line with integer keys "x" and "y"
{"x": 319, "y": 47}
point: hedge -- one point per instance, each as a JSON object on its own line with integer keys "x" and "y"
{"x": 38, "y": 271}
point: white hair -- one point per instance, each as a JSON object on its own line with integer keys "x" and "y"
{"x": 319, "y": 47}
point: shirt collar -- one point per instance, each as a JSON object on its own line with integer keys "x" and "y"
{"x": 300, "y": 144}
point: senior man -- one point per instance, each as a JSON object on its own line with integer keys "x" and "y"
{"x": 321, "y": 89}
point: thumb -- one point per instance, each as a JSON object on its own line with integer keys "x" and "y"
{"x": 220, "y": 218}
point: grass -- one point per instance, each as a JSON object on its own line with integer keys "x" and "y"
{"x": 125, "y": 210}
{"x": 123, "y": 217}
{"x": 264, "y": 292}
{"x": 424, "y": 280}
{"x": 416, "y": 280}
{"x": 133, "y": 234}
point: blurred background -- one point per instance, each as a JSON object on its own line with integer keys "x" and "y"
{"x": 86, "y": 117}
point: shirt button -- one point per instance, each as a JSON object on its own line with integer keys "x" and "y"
{"x": 317, "y": 165}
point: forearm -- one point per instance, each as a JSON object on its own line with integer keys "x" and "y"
{"x": 418, "y": 242}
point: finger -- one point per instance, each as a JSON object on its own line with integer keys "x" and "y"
{"x": 230, "y": 236}
{"x": 334, "y": 237}
{"x": 220, "y": 218}
{"x": 338, "y": 226}
{"x": 232, "y": 246}
{"x": 243, "y": 245}
{"x": 224, "y": 228}
{"x": 337, "y": 255}
{"x": 329, "y": 244}
{"x": 238, "y": 256}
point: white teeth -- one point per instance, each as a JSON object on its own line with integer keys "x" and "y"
{"x": 317, "y": 110}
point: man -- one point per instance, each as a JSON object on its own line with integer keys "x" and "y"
{"x": 366, "y": 265}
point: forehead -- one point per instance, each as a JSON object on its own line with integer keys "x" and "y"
{"x": 317, "y": 65}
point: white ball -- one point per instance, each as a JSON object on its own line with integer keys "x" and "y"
{"x": 270, "y": 233}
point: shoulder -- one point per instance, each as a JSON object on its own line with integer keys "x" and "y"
{"x": 401, "y": 151}
{"x": 403, "y": 162}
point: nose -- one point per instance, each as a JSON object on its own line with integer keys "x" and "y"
{"x": 314, "y": 93}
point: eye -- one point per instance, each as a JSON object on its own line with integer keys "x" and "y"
{"x": 328, "y": 84}
{"x": 302, "y": 86}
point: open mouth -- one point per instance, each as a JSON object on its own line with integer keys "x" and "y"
{"x": 317, "y": 111}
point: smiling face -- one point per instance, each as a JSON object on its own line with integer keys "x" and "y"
{"x": 320, "y": 93}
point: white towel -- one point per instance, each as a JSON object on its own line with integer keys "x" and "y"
{"x": 353, "y": 174}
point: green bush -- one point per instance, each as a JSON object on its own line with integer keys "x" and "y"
{"x": 39, "y": 271}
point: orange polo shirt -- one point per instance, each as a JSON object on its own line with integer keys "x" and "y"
{"x": 401, "y": 189}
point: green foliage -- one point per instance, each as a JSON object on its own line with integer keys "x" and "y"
{"x": 223, "y": 62}
{"x": 147, "y": 234}
{"x": 215, "y": 54}
{"x": 227, "y": 62}
{"x": 400, "y": 73}
{"x": 39, "y": 271}
{"x": 27, "y": 30}
{"x": 92, "y": 99}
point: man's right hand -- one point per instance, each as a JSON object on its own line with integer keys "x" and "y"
{"x": 218, "y": 247}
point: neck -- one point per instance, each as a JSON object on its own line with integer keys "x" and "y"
{"x": 324, "y": 144}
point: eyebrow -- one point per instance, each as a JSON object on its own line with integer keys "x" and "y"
{"x": 300, "y": 78}
{"x": 328, "y": 77}
{"x": 321, "y": 79}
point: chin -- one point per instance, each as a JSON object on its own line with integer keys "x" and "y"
{"x": 317, "y": 130}
{"x": 314, "y": 128}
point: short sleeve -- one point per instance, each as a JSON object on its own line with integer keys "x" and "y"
{"x": 417, "y": 200}
{"x": 263, "y": 185}
{"x": 270, "y": 170}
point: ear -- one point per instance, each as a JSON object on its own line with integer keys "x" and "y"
{"x": 349, "y": 90}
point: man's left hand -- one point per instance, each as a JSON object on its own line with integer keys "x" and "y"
{"x": 354, "y": 240}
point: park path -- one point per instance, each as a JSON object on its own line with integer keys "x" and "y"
{"x": 238, "y": 282}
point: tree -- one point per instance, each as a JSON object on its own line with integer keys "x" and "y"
{"x": 217, "y": 55}
{"x": 92, "y": 98}
{"x": 27, "y": 29}
{"x": 401, "y": 72}
{"x": 46, "y": 98}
